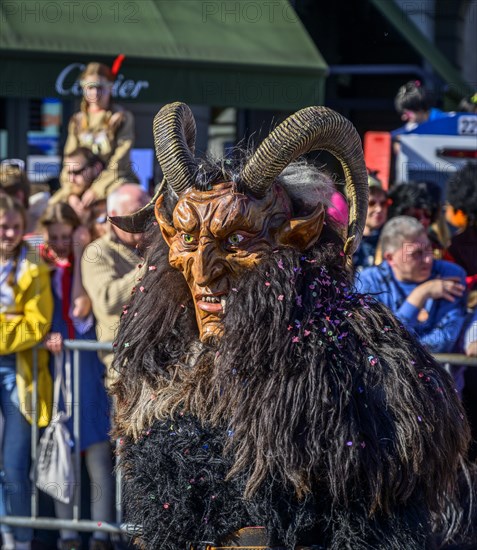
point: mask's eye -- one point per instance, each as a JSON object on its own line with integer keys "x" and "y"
{"x": 188, "y": 239}
{"x": 235, "y": 239}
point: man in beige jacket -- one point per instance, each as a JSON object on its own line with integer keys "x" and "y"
{"x": 109, "y": 268}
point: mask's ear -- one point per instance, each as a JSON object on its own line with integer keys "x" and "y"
{"x": 302, "y": 232}
{"x": 167, "y": 230}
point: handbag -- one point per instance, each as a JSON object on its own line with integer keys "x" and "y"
{"x": 55, "y": 473}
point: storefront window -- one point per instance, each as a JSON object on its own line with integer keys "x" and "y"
{"x": 44, "y": 155}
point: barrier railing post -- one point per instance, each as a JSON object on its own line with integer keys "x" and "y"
{"x": 118, "y": 479}
{"x": 76, "y": 435}
{"x": 34, "y": 433}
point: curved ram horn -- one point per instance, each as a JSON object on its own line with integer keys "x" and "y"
{"x": 308, "y": 130}
{"x": 174, "y": 139}
{"x": 174, "y": 133}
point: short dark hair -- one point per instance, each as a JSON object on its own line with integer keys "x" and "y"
{"x": 462, "y": 191}
{"x": 374, "y": 191}
{"x": 413, "y": 96}
{"x": 87, "y": 154}
{"x": 413, "y": 194}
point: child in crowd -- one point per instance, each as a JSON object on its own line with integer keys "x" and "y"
{"x": 65, "y": 240}
{"x": 104, "y": 128}
{"x": 26, "y": 308}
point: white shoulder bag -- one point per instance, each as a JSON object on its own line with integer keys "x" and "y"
{"x": 54, "y": 468}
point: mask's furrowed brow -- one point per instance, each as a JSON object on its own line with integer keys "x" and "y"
{"x": 186, "y": 218}
{"x": 238, "y": 216}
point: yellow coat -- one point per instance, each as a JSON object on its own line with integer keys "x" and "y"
{"x": 24, "y": 328}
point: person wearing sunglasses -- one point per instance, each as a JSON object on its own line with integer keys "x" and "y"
{"x": 83, "y": 168}
{"x": 103, "y": 127}
{"x": 375, "y": 219}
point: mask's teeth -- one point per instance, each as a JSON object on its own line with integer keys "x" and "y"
{"x": 222, "y": 303}
{"x": 211, "y": 299}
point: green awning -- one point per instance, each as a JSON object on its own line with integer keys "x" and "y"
{"x": 219, "y": 53}
{"x": 429, "y": 51}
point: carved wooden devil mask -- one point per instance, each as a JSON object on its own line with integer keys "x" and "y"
{"x": 220, "y": 230}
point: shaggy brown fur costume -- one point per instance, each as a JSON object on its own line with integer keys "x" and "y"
{"x": 255, "y": 387}
{"x": 316, "y": 415}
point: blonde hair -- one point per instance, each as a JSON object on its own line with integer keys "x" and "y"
{"x": 91, "y": 69}
{"x": 13, "y": 179}
{"x": 10, "y": 204}
{"x": 60, "y": 212}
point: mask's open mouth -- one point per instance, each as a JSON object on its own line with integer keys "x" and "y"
{"x": 212, "y": 303}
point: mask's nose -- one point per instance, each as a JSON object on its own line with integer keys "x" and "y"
{"x": 207, "y": 266}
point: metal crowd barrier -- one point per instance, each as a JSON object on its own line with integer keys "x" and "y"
{"x": 76, "y": 523}
{"x": 455, "y": 359}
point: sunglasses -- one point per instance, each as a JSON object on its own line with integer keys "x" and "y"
{"x": 374, "y": 202}
{"x": 79, "y": 171}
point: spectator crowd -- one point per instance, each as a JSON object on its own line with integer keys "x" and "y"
{"x": 67, "y": 273}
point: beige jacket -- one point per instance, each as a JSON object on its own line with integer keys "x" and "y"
{"x": 109, "y": 271}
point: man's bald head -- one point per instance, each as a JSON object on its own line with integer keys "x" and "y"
{"x": 125, "y": 200}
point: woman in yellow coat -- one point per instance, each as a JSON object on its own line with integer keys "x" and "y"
{"x": 26, "y": 308}
{"x": 105, "y": 128}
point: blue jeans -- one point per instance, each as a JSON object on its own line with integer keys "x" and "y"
{"x": 15, "y": 487}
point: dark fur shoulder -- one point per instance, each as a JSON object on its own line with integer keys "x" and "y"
{"x": 175, "y": 490}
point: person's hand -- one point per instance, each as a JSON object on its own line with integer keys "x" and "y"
{"x": 88, "y": 197}
{"x": 77, "y": 205}
{"x": 471, "y": 349}
{"x": 81, "y": 307}
{"x": 54, "y": 342}
{"x": 448, "y": 289}
{"x": 81, "y": 238}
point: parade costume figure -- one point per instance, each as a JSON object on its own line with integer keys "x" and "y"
{"x": 260, "y": 402}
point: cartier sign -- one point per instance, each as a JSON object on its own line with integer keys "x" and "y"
{"x": 68, "y": 83}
